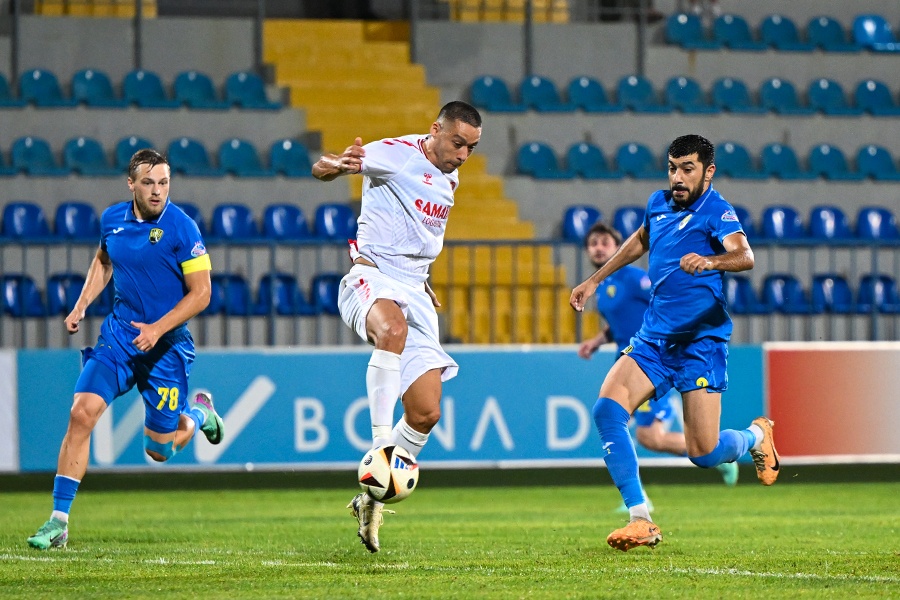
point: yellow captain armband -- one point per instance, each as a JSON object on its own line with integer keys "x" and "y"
{"x": 201, "y": 263}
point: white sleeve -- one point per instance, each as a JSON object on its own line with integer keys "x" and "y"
{"x": 385, "y": 158}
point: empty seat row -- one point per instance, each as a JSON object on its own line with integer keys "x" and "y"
{"x": 188, "y": 156}
{"x": 776, "y": 160}
{"x": 778, "y": 32}
{"x": 682, "y": 93}
{"x": 827, "y": 293}
{"x": 277, "y": 294}
{"x": 141, "y": 88}
{"x": 777, "y": 223}
{"x": 229, "y": 222}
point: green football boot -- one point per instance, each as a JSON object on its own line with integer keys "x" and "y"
{"x": 52, "y": 534}
{"x": 213, "y": 427}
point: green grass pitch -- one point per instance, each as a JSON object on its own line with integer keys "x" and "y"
{"x": 793, "y": 540}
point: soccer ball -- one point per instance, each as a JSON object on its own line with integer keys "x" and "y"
{"x": 388, "y": 473}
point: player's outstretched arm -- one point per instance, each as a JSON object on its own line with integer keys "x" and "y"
{"x": 738, "y": 257}
{"x": 98, "y": 276}
{"x": 332, "y": 166}
{"x": 631, "y": 249}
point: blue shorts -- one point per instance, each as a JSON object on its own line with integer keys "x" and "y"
{"x": 684, "y": 366}
{"x": 114, "y": 366}
{"x": 655, "y": 410}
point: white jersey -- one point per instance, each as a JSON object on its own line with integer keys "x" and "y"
{"x": 405, "y": 204}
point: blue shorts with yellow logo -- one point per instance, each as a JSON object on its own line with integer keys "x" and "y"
{"x": 114, "y": 366}
{"x": 684, "y": 366}
{"x": 654, "y": 410}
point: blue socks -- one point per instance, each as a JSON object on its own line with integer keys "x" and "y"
{"x": 198, "y": 416}
{"x": 64, "y": 489}
{"x": 618, "y": 449}
{"x": 732, "y": 445}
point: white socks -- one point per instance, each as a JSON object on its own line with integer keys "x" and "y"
{"x": 639, "y": 511}
{"x": 405, "y": 436}
{"x": 383, "y": 389}
{"x": 758, "y": 434}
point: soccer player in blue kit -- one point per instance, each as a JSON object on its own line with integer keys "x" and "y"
{"x": 158, "y": 263}
{"x": 622, "y": 299}
{"x": 693, "y": 236}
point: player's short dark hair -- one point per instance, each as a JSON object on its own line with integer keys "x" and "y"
{"x": 460, "y": 111}
{"x": 689, "y": 144}
{"x": 602, "y": 228}
{"x": 147, "y": 156}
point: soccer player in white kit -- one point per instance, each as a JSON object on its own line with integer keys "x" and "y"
{"x": 408, "y": 189}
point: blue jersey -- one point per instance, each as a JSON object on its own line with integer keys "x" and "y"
{"x": 686, "y": 307}
{"x": 150, "y": 259}
{"x": 622, "y": 299}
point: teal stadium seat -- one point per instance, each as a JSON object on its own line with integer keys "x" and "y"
{"x": 825, "y": 33}
{"x": 290, "y": 158}
{"x": 246, "y": 90}
{"x": 636, "y": 160}
{"x": 636, "y": 93}
{"x": 94, "y": 89}
{"x": 827, "y": 96}
{"x": 733, "y": 160}
{"x": 41, "y": 88}
{"x": 145, "y": 89}
{"x": 85, "y": 156}
{"x": 874, "y": 33}
{"x": 492, "y": 94}
{"x": 731, "y": 95}
{"x": 196, "y": 90}
{"x": 540, "y": 94}
{"x": 538, "y": 160}
{"x": 588, "y": 161}
{"x": 875, "y": 98}
{"x": 733, "y": 32}
{"x": 780, "y": 95}
{"x": 780, "y": 32}
{"x": 686, "y": 95}
{"x": 780, "y": 160}
{"x": 125, "y": 149}
{"x": 33, "y": 156}
{"x": 876, "y": 162}
{"x": 588, "y": 94}
{"x": 189, "y": 157}
{"x": 829, "y": 162}
{"x": 6, "y": 98}
{"x": 686, "y": 30}
{"x": 239, "y": 158}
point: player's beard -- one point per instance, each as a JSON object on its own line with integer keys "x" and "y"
{"x": 692, "y": 195}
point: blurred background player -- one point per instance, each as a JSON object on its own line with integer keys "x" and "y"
{"x": 158, "y": 262}
{"x": 622, "y": 299}
{"x": 408, "y": 188}
{"x": 693, "y": 237}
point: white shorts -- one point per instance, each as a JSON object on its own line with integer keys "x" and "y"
{"x": 423, "y": 352}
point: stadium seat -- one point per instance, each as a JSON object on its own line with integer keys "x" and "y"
{"x": 63, "y": 290}
{"x": 538, "y": 160}
{"x": 733, "y": 32}
{"x": 280, "y": 294}
{"x": 233, "y": 222}
{"x": 94, "y": 89}
{"x": 829, "y": 224}
{"x": 781, "y": 161}
{"x": 21, "y": 297}
{"x": 874, "y": 33}
{"x": 325, "y": 292}
{"x": 491, "y": 93}
{"x": 733, "y": 160}
{"x": 102, "y": 304}
{"x": 6, "y": 170}
{"x": 878, "y": 292}
{"x": 828, "y": 35}
{"x": 247, "y": 90}
{"x": 783, "y": 293}
{"x": 588, "y": 94}
{"x": 335, "y": 222}
{"x": 6, "y": 98}
{"x": 76, "y": 221}
{"x": 732, "y": 95}
{"x": 196, "y": 90}
{"x": 194, "y": 213}
{"x": 540, "y": 94}
{"x": 827, "y": 96}
{"x": 628, "y": 219}
{"x": 740, "y": 296}
{"x": 85, "y": 156}
{"x": 229, "y": 295}
{"x": 41, "y": 88}
{"x": 145, "y": 89}
{"x": 33, "y": 156}
{"x": 685, "y": 94}
{"x": 876, "y": 162}
{"x": 781, "y": 223}
{"x": 125, "y": 149}
{"x": 239, "y": 158}
{"x": 24, "y": 221}
{"x": 830, "y": 293}
{"x": 779, "y": 32}
{"x": 290, "y": 158}
{"x": 686, "y": 30}
{"x": 875, "y": 223}
{"x": 636, "y": 93}
{"x": 829, "y": 162}
{"x": 577, "y": 220}
{"x": 188, "y": 156}
{"x": 637, "y": 160}
{"x": 746, "y": 221}
{"x": 588, "y": 161}
{"x": 780, "y": 95}
{"x": 875, "y": 98}
{"x": 285, "y": 222}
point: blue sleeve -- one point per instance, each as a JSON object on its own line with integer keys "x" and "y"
{"x": 640, "y": 285}
{"x": 726, "y": 224}
{"x": 190, "y": 243}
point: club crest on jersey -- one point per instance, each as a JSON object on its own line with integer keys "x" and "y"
{"x": 729, "y": 215}
{"x": 427, "y": 180}
{"x": 198, "y": 250}
{"x": 155, "y": 235}
{"x": 684, "y": 221}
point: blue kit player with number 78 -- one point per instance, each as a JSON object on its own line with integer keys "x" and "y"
{"x": 693, "y": 237}
{"x": 156, "y": 258}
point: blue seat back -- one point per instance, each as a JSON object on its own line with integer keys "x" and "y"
{"x": 229, "y": 295}
{"x": 878, "y": 291}
{"x": 731, "y": 29}
{"x": 278, "y": 292}
{"x": 586, "y": 92}
{"x": 285, "y": 222}
{"x": 746, "y": 220}
{"x": 782, "y": 292}
{"x": 740, "y": 296}
{"x": 143, "y": 85}
{"x": 778, "y": 160}
{"x": 126, "y": 147}
{"x": 682, "y": 92}
{"x": 831, "y": 293}
{"x": 77, "y": 221}
{"x": 291, "y": 158}
{"x": 32, "y": 153}
{"x": 91, "y": 85}
{"x": 729, "y": 93}
{"x": 577, "y": 220}
{"x": 634, "y": 158}
{"x": 537, "y": 92}
{"x": 238, "y": 156}
{"x": 778, "y": 29}
{"x": 63, "y": 290}
{"x": 627, "y": 220}
{"x": 635, "y": 91}
{"x": 335, "y": 222}
{"x": 683, "y": 28}
{"x": 872, "y": 94}
{"x": 187, "y": 153}
{"x": 233, "y": 222}
{"x": 5, "y": 91}
{"x": 245, "y": 89}
{"x": 39, "y": 86}
{"x": 825, "y": 32}
{"x": 733, "y": 158}
{"x": 828, "y": 223}
{"x": 21, "y": 297}
{"x": 325, "y": 292}
{"x": 24, "y": 220}
{"x": 781, "y": 223}
{"x": 876, "y": 223}
{"x": 873, "y": 160}
{"x": 584, "y": 158}
{"x": 778, "y": 94}
{"x": 825, "y": 94}
{"x": 826, "y": 159}
{"x": 194, "y": 88}
{"x": 103, "y": 304}
{"x": 535, "y": 158}
{"x": 83, "y": 152}
{"x": 490, "y": 92}
{"x": 193, "y": 211}
{"x": 871, "y": 30}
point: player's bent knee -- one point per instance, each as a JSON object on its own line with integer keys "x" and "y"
{"x": 158, "y": 451}
{"x": 423, "y": 421}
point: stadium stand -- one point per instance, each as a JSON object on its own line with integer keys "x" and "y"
{"x": 41, "y": 88}
{"x": 491, "y": 93}
{"x": 94, "y": 89}
{"x": 145, "y": 89}
{"x": 588, "y": 94}
{"x": 539, "y": 160}
{"x": 540, "y": 94}
{"x": 196, "y": 90}
{"x": 577, "y": 220}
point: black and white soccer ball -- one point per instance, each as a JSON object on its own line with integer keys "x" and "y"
{"x": 388, "y": 473}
